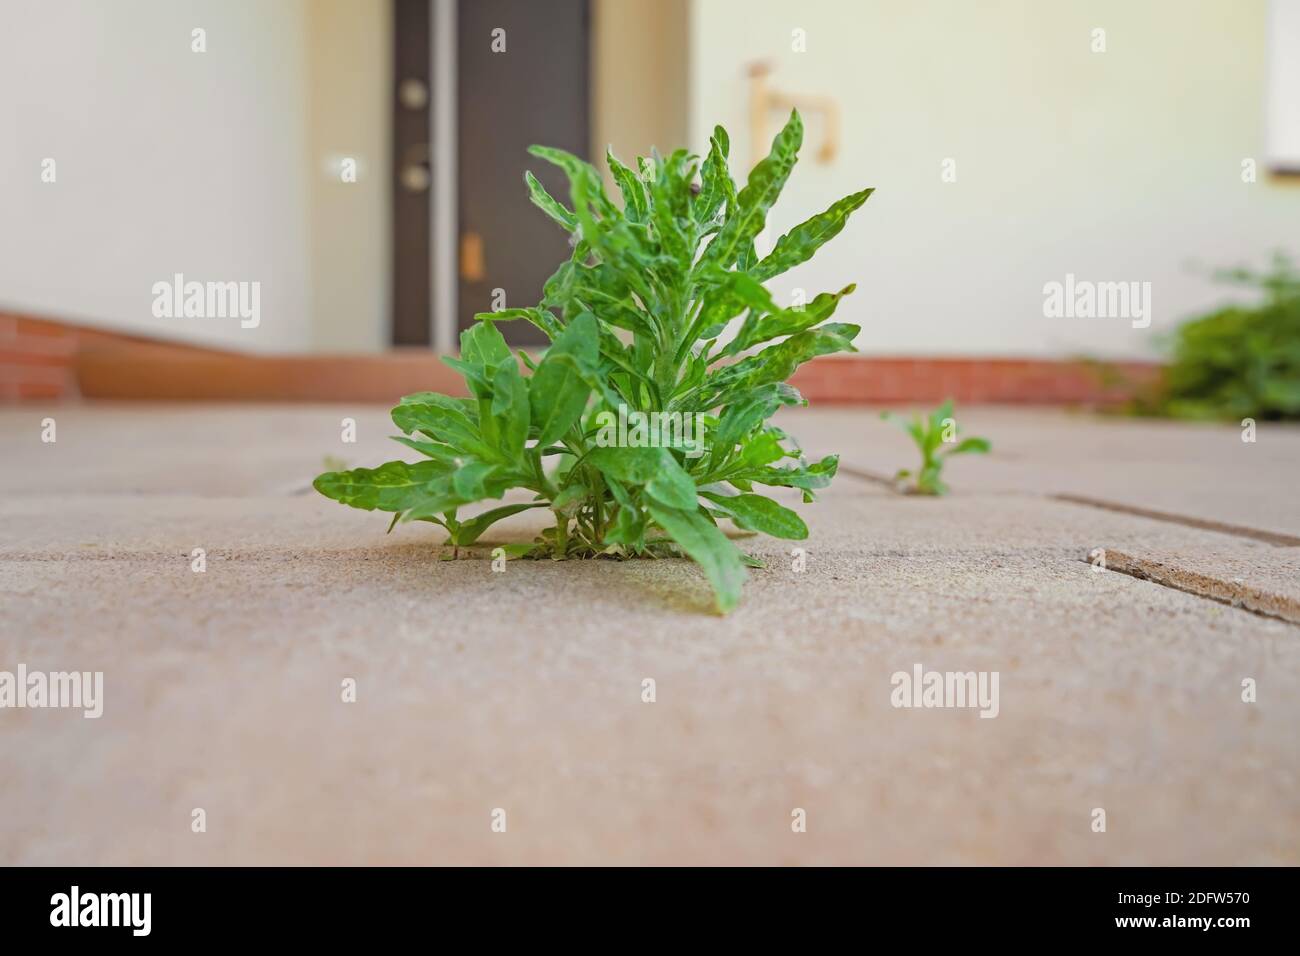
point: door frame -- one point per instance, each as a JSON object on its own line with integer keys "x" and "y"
{"x": 444, "y": 205}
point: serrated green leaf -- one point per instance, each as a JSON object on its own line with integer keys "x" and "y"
{"x": 759, "y": 328}
{"x": 715, "y": 178}
{"x": 805, "y": 477}
{"x": 668, "y": 212}
{"x": 548, "y": 204}
{"x": 393, "y": 486}
{"x": 799, "y": 244}
{"x": 777, "y": 362}
{"x": 442, "y": 419}
{"x": 762, "y": 449}
{"x": 633, "y": 190}
{"x": 745, "y": 412}
{"x": 752, "y": 204}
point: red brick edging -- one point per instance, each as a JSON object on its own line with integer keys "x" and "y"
{"x": 867, "y": 380}
{"x": 41, "y": 359}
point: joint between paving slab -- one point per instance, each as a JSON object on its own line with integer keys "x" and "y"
{"x": 1235, "y": 594}
{"x": 1241, "y": 531}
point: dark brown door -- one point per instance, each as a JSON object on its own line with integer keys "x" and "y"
{"x": 523, "y": 77}
{"x": 411, "y": 174}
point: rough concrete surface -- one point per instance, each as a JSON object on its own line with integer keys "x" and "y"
{"x": 523, "y": 690}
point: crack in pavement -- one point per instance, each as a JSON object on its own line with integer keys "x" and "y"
{"x": 1237, "y": 593}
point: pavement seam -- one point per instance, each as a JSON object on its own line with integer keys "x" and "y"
{"x": 1235, "y": 593}
{"x": 1241, "y": 531}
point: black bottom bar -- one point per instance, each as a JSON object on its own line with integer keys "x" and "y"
{"x": 338, "y": 905}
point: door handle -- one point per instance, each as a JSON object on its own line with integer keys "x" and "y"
{"x": 472, "y": 265}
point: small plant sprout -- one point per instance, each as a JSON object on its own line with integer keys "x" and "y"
{"x": 936, "y": 436}
{"x": 660, "y": 314}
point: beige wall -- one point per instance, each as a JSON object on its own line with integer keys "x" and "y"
{"x": 1123, "y": 165}
{"x": 350, "y": 62}
{"x": 640, "y": 86}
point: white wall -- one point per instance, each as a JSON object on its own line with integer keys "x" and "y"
{"x": 1284, "y": 84}
{"x": 209, "y": 164}
{"x": 1123, "y": 165}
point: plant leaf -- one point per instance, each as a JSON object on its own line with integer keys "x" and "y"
{"x": 765, "y": 183}
{"x": 978, "y": 446}
{"x": 745, "y": 413}
{"x": 653, "y": 468}
{"x": 701, "y": 539}
{"x": 799, "y": 244}
{"x": 393, "y": 486}
{"x": 714, "y": 177}
{"x": 760, "y": 513}
{"x": 541, "y": 318}
{"x": 482, "y": 344}
{"x": 471, "y": 530}
{"x": 558, "y": 394}
{"x": 443, "y": 453}
{"x": 468, "y": 481}
{"x": 442, "y": 419}
{"x": 806, "y": 477}
{"x": 510, "y": 406}
{"x": 634, "y": 197}
{"x": 761, "y": 328}
{"x": 548, "y": 204}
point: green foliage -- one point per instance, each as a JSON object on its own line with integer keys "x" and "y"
{"x": 633, "y": 318}
{"x": 1242, "y": 361}
{"x": 935, "y": 436}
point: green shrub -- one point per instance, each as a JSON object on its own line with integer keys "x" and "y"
{"x": 1242, "y": 361}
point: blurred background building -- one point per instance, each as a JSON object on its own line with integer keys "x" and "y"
{"x": 362, "y": 159}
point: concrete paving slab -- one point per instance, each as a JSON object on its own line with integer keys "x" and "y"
{"x": 139, "y": 449}
{"x": 523, "y": 691}
{"x": 1203, "y": 471}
